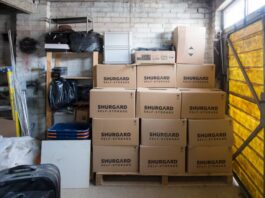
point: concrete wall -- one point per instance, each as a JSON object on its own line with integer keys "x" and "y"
{"x": 150, "y": 21}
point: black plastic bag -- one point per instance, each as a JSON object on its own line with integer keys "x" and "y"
{"x": 85, "y": 41}
{"x": 62, "y": 93}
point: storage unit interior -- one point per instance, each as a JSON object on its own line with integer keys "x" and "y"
{"x": 125, "y": 99}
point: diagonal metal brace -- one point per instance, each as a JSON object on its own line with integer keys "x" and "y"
{"x": 248, "y": 140}
{"x": 252, "y": 90}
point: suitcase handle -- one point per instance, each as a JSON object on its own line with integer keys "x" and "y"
{"x": 21, "y": 169}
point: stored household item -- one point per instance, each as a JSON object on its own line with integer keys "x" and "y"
{"x": 162, "y": 160}
{"x": 115, "y": 76}
{"x": 154, "y": 57}
{"x": 72, "y": 157}
{"x": 57, "y": 72}
{"x": 112, "y": 102}
{"x": 203, "y": 103}
{"x": 63, "y": 116}
{"x": 115, "y": 132}
{"x": 190, "y": 44}
{"x": 85, "y": 41}
{"x": 57, "y": 41}
{"x": 156, "y": 75}
{"x": 117, "y": 47}
{"x": 62, "y": 93}
{"x": 30, "y": 181}
{"x": 69, "y": 131}
{"x": 115, "y": 159}
{"x": 164, "y": 132}
{"x": 28, "y": 45}
{"x": 195, "y": 76}
{"x": 158, "y": 103}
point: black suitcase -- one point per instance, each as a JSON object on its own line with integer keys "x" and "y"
{"x": 30, "y": 181}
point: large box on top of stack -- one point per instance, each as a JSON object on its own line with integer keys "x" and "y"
{"x": 115, "y": 76}
{"x": 158, "y": 103}
{"x": 203, "y": 103}
{"x": 112, "y": 102}
{"x": 190, "y": 44}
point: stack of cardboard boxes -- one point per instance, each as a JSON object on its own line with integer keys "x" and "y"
{"x": 161, "y": 118}
{"x": 209, "y": 131}
{"x": 115, "y": 128}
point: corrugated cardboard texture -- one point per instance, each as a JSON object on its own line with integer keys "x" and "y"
{"x": 164, "y": 132}
{"x": 158, "y": 103}
{"x": 203, "y": 159}
{"x": 156, "y": 75}
{"x": 203, "y": 103}
{"x": 190, "y": 44}
{"x": 111, "y": 131}
{"x": 115, "y": 159}
{"x": 195, "y": 76}
{"x": 155, "y": 57}
{"x": 162, "y": 160}
{"x": 116, "y": 76}
{"x": 112, "y": 103}
{"x": 217, "y": 132}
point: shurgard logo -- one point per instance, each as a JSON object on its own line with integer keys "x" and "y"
{"x": 161, "y": 163}
{"x": 116, "y": 162}
{"x": 197, "y": 79}
{"x": 211, "y": 163}
{"x": 117, "y": 79}
{"x": 144, "y": 57}
{"x": 166, "y": 136}
{"x": 159, "y": 109}
{"x": 214, "y": 136}
{"x": 112, "y": 108}
{"x": 156, "y": 79}
{"x": 204, "y": 109}
{"x": 111, "y": 136}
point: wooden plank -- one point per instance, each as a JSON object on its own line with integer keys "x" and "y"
{"x": 58, "y": 58}
{"x": 48, "y": 81}
{"x": 164, "y": 180}
{"x": 95, "y": 59}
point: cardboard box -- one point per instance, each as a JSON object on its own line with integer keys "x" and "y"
{"x": 81, "y": 115}
{"x": 164, "y": 132}
{"x": 210, "y": 160}
{"x": 8, "y": 128}
{"x": 195, "y": 76}
{"x": 115, "y": 159}
{"x": 159, "y": 103}
{"x": 112, "y": 103}
{"x": 162, "y": 160}
{"x": 190, "y": 44}
{"x": 156, "y": 75}
{"x": 115, "y": 132}
{"x": 217, "y": 132}
{"x": 116, "y": 76}
{"x": 203, "y": 103}
{"x": 162, "y": 57}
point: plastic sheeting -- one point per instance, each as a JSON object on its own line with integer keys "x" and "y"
{"x": 18, "y": 151}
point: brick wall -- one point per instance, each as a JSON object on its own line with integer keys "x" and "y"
{"x": 150, "y": 21}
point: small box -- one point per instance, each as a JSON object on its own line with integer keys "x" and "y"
{"x": 116, "y": 76}
{"x": 156, "y": 75}
{"x": 210, "y": 159}
{"x": 159, "y": 103}
{"x": 217, "y": 132}
{"x": 115, "y": 159}
{"x": 162, "y": 160}
{"x": 203, "y": 103}
{"x": 161, "y": 57}
{"x": 112, "y": 103}
{"x": 190, "y": 44}
{"x": 195, "y": 76}
{"x": 115, "y": 132}
{"x": 164, "y": 132}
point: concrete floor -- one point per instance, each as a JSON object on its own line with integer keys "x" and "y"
{"x": 228, "y": 191}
